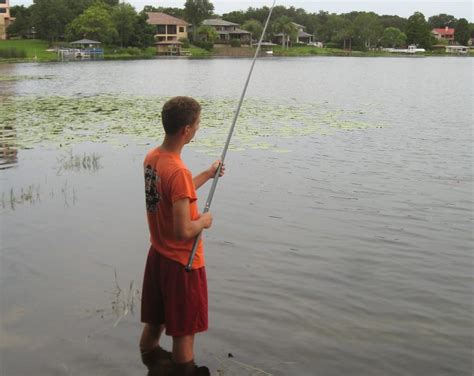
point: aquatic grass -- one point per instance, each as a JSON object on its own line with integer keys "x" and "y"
{"x": 70, "y": 162}
{"x": 33, "y": 194}
{"x": 107, "y": 118}
{"x": 24, "y": 78}
{"x": 122, "y": 303}
{"x": 28, "y": 195}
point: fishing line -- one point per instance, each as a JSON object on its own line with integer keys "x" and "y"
{"x": 188, "y": 267}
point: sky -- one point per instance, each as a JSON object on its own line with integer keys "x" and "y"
{"x": 403, "y": 8}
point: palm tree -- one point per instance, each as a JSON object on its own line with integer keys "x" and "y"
{"x": 285, "y": 26}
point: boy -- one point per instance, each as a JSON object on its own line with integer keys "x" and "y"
{"x": 173, "y": 298}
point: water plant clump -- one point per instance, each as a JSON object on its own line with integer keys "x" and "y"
{"x": 122, "y": 302}
{"x": 70, "y": 162}
{"x": 30, "y": 195}
{"x": 33, "y": 194}
{"x": 24, "y": 77}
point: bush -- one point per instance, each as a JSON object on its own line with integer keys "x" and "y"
{"x": 332, "y": 45}
{"x": 235, "y": 43}
{"x": 134, "y": 51}
{"x": 208, "y": 46}
{"x": 300, "y": 45}
{"x": 185, "y": 42}
{"x": 12, "y": 52}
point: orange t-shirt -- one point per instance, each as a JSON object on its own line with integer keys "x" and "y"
{"x": 167, "y": 180}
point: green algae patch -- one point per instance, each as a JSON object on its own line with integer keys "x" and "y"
{"x": 24, "y": 78}
{"x": 30, "y": 120}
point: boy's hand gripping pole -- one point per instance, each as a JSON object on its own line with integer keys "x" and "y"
{"x": 189, "y": 266}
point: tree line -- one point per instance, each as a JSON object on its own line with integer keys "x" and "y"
{"x": 119, "y": 24}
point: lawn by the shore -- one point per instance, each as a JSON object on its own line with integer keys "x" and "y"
{"x": 35, "y": 49}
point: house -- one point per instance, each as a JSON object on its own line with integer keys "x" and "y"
{"x": 168, "y": 28}
{"x": 5, "y": 19}
{"x": 446, "y": 34}
{"x": 228, "y": 30}
{"x": 301, "y": 36}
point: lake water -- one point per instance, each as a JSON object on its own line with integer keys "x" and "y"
{"x": 342, "y": 241}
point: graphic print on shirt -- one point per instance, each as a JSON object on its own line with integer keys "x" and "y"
{"x": 151, "y": 193}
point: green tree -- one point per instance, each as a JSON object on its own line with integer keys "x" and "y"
{"x": 441, "y": 21}
{"x": 143, "y": 33}
{"x": 238, "y": 17}
{"x": 287, "y": 28}
{"x": 77, "y": 7}
{"x": 22, "y": 25}
{"x": 418, "y": 31}
{"x": 333, "y": 28}
{"x": 124, "y": 18}
{"x": 345, "y": 34}
{"x": 368, "y": 29}
{"x": 261, "y": 14}
{"x": 207, "y": 33}
{"x": 462, "y": 32}
{"x": 95, "y": 23}
{"x": 50, "y": 17}
{"x": 340, "y": 30}
{"x": 111, "y": 3}
{"x": 320, "y": 28}
{"x": 393, "y": 21}
{"x": 393, "y": 37}
{"x": 254, "y": 27}
{"x": 197, "y": 11}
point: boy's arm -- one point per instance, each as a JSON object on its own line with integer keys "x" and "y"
{"x": 203, "y": 177}
{"x": 184, "y": 227}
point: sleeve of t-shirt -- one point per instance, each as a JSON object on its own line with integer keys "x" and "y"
{"x": 182, "y": 186}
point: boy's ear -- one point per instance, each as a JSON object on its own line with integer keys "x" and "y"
{"x": 184, "y": 130}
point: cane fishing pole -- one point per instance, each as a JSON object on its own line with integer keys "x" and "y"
{"x": 188, "y": 267}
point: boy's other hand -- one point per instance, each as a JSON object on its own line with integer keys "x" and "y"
{"x": 206, "y": 219}
{"x": 212, "y": 170}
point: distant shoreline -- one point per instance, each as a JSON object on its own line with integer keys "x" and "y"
{"x": 36, "y": 51}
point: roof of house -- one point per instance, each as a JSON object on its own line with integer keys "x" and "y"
{"x": 231, "y": 32}
{"x": 169, "y": 43}
{"x": 218, "y": 22}
{"x": 303, "y": 34}
{"x": 85, "y": 41}
{"x": 158, "y": 18}
{"x": 239, "y": 31}
{"x": 444, "y": 31}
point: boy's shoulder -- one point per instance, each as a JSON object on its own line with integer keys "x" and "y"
{"x": 165, "y": 162}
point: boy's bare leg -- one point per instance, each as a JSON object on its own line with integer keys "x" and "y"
{"x": 152, "y": 354}
{"x": 150, "y": 337}
{"x": 183, "y": 349}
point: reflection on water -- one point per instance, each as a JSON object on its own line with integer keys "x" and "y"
{"x": 87, "y": 162}
{"x": 8, "y": 153}
{"x": 34, "y": 193}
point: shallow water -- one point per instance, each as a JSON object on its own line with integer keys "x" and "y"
{"x": 342, "y": 240}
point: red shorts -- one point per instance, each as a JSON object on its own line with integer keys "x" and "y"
{"x": 174, "y": 297}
